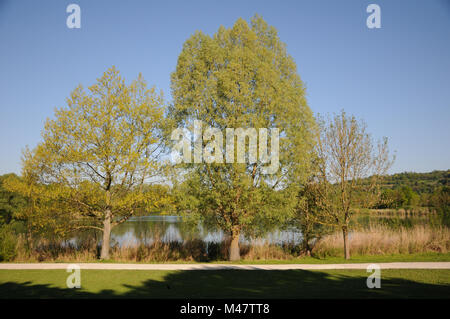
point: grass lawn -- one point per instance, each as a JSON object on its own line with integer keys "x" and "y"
{"x": 225, "y": 284}
{"x": 428, "y": 257}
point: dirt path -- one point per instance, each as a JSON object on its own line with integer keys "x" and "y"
{"x": 113, "y": 266}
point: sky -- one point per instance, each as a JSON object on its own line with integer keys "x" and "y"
{"x": 396, "y": 78}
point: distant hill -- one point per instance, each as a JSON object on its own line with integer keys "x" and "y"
{"x": 408, "y": 189}
{"x": 421, "y": 183}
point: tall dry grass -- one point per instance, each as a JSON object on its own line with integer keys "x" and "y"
{"x": 45, "y": 250}
{"x": 372, "y": 240}
{"x": 382, "y": 240}
{"x": 156, "y": 251}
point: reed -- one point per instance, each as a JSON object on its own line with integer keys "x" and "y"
{"x": 383, "y": 240}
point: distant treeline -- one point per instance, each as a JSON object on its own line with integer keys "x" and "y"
{"x": 407, "y": 190}
{"x": 421, "y": 183}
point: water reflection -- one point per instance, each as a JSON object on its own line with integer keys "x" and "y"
{"x": 147, "y": 229}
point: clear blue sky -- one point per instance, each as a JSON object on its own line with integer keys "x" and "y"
{"x": 396, "y": 78}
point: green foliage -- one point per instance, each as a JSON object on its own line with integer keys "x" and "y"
{"x": 10, "y": 202}
{"x": 421, "y": 183}
{"x": 8, "y": 241}
{"x": 242, "y": 77}
{"x": 95, "y": 155}
{"x": 159, "y": 200}
{"x": 440, "y": 199}
{"x": 409, "y": 190}
{"x": 308, "y": 216}
{"x": 401, "y": 197}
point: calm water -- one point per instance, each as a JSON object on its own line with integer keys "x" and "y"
{"x": 172, "y": 228}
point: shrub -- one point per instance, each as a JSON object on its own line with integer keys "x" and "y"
{"x": 8, "y": 240}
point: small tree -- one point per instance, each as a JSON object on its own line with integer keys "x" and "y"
{"x": 349, "y": 165}
{"x": 308, "y": 213}
{"x": 39, "y": 210}
{"x": 98, "y": 152}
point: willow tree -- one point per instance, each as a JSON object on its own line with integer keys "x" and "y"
{"x": 98, "y": 151}
{"x": 242, "y": 77}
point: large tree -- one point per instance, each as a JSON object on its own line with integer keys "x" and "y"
{"x": 97, "y": 153}
{"x": 242, "y": 77}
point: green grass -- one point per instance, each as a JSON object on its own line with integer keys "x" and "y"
{"x": 429, "y": 257}
{"x": 409, "y": 283}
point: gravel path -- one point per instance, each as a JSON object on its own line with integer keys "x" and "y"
{"x": 113, "y": 266}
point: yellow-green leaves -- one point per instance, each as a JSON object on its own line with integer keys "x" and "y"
{"x": 243, "y": 77}
{"x": 98, "y": 150}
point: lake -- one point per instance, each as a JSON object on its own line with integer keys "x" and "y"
{"x": 146, "y": 229}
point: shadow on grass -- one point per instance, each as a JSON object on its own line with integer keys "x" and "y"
{"x": 290, "y": 284}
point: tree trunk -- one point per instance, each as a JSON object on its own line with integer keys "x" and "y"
{"x": 346, "y": 242}
{"x": 29, "y": 237}
{"x": 106, "y": 235}
{"x": 234, "y": 246}
{"x": 308, "y": 247}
